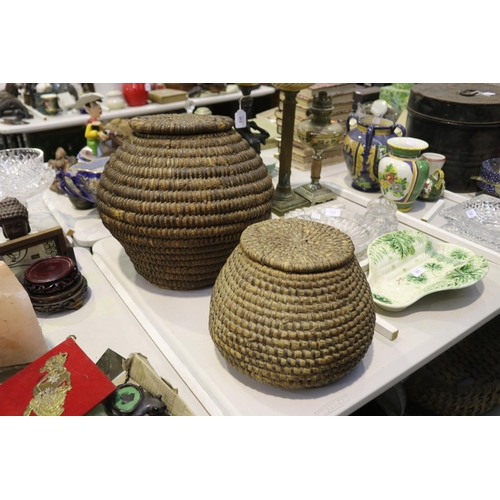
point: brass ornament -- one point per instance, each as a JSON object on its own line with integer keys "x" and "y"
{"x": 50, "y": 393}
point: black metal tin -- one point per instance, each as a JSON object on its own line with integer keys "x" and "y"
{"x": 460, "y": 121}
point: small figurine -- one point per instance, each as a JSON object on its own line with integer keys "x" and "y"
{"x": 94, "y": 131}
{"x": 61, "y": 163}
{"x": 14, "y": 218}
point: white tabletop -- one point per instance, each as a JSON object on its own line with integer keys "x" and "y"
{"x": 177, "y": 322}
{"x": 103, "y": 322}
{"x": 426, "y": 329}
{"x": 41, "y": 123}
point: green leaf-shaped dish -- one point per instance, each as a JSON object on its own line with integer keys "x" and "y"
{"x": 405, "y": 266}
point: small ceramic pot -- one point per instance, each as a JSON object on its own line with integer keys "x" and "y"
{"x": 115, "y": 100}
{"x": 135, "y": 94}
{"x": 50, "y": 103}
{"x": 489, "y": 180}
{"x": 403, "y": 171}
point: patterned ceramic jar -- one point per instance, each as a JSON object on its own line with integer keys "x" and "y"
{"x": 364, "y": 146}
{"x": 403, "y": 171}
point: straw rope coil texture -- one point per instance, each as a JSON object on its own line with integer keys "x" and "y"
{"x": 464, "y": 380}
{"x": 178, "y": 193}
{"x": 291, "y": 307}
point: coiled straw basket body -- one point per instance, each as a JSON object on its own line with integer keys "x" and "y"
{"x": 291, "y": 307}
{"x": 178, "y": 193}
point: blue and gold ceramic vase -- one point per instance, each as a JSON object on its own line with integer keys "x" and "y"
{"x": 402, "y": 172}
{"x": 364, "y": 145}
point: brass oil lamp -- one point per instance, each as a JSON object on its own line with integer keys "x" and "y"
{"x": 319, "y": 133}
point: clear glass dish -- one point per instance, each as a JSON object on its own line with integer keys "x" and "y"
{"x": 477, "y": 219}
{"x": 359, "y": 230}
{"x": 23, "y": 173}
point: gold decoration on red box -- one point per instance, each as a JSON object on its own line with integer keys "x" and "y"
{"x": 64, "y": 381}
{"x": 50, "y": 393}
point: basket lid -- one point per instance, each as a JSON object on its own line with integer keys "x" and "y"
{"x": 477, "y": 103}
{"x": 296, "y": 245}
{"x": 180, "y": 124}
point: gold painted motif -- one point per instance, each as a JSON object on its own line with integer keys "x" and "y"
{"x": 49, "y": 394}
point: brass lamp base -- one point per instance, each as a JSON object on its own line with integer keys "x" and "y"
{"x": 293, "y": 202}
{"x": 315, "y": 193}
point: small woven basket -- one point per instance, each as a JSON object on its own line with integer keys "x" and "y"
{"x": 178, "y": 193}
{"x": 464, "y": 380}
{"x": 291, "y": 307}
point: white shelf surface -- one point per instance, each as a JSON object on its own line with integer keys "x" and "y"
{"x": 104, "y": 321}
{"x": 41, "y": 123}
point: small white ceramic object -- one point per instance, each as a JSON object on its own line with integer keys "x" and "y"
{"x": 202, "y": 111}
{"x": 65, "y": 101}
{"x": 379, "y": 108}
{"x": 115, "y": 100}
{"x": 405, "y": 266}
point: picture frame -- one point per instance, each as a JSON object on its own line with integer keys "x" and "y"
{"x": 20, "y": 253}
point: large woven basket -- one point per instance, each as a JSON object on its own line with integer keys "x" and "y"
{"x": 291, "y": 307}
{"x": 178, "y": 193}
{"x": 464, "y": 380}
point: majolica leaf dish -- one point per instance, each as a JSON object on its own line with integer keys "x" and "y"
{"x": 405, "y": 266}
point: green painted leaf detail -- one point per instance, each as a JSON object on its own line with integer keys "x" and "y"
{"x": 381, "y": 298}
{"x": 464, "y": 274}
{"x": 416, "y": 279}
{"x": 459, "y": 254}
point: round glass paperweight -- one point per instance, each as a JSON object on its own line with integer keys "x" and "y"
{"x": 23, "y": 173}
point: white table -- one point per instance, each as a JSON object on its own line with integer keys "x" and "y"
{"x": 177, "y": 322}
{"x": 426, "y": 329}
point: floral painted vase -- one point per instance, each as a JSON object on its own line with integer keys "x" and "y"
{"x": 403, "y": 171}
{"x": 364, "y": 145}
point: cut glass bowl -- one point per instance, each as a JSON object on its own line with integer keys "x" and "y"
{"x": 23, "y": 173}
{"x": 477, "y": 219}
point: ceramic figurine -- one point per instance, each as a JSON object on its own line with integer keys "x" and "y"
{"x": 94, "y": 130}
{"x": 62, "y": 162}
{"x": 14, "y": 218}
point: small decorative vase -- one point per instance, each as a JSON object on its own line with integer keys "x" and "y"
{"x": 364, "y": 146}
{"x": 434, "y": 185}
{"x": 403, "y": 171}
{"x": 135, "y": 94}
